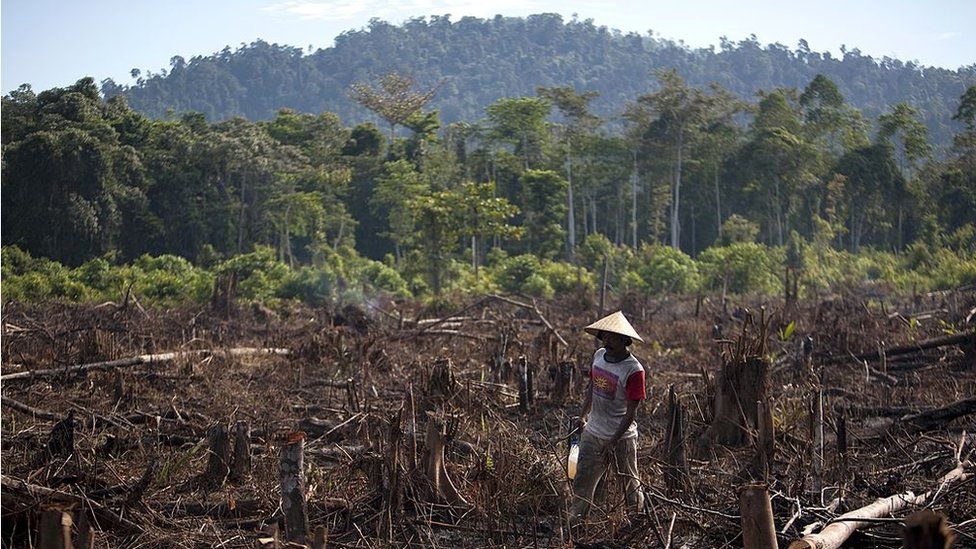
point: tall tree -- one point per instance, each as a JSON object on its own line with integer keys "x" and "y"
{"x": 522, "y": 122}
{"x": 543, "y": 206}
{"x": 779, "y": 164}
{"x": 394, "y": 100}
{"x": 678, "y": 110}
{"x": 579, "y": 122}
{"x": 902, "y": 124}
{"x": 394, "y": 191}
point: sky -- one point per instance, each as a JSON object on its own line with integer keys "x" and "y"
{"x": 49, "y": 43}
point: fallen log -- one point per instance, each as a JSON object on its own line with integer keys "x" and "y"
{"x": 37, "y": 413}
{"x": 104, "y": 516}
{"x": 839, "y": 529}
{"x": 957, "y": 339}
{"x": 939, "y": 417}
{"x": 135, "y": 361}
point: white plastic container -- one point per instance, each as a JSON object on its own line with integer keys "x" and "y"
{"x": 571, "y": 461}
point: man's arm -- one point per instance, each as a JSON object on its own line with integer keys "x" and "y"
{"x": 627, "y": 420}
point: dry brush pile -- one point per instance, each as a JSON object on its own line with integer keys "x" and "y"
{"x": 392, "y": 425}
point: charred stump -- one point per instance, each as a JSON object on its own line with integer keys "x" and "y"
{"x": 54, "y": 530}
{"x": 439, "y": 433}
{"x": 739, "y": 385}
{"x": 927, "y": 529}
{"x": 60, "y": 443}
{"x": 240, "y": 468}
{"x": 676, "y": 466}
{"x": 217, "y": 462}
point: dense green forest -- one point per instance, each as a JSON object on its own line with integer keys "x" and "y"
{"x": 697, "y": 191}
{"x": 474, "y": 62}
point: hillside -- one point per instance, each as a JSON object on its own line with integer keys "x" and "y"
{"x": 477, "y": 61}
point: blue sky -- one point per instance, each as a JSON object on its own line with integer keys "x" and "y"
{"x": 53, "y": 43}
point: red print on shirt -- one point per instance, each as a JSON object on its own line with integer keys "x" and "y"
{"x": 604, "y": 384}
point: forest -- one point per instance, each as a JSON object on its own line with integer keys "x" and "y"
{"x": 475, "y": 62}
{"x": 695, "y": 192}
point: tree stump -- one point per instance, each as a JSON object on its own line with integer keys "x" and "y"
{"x": 61, "y": 442}
{"x": 240, "y": 468}
{"x": 927, "y": 529}
{"x": 442, "y": 384}
{"x": 292, "y": 480}
{"x": 562, "y": 381}
{"x": 758, "y": 528}
{"x": 217, "y": 469}
{"x": 54, "y": 530}
{"x": 739, "y": 385}
{"x": 676, "y": 469}
{"x": 321, "y": 539}
{"x": 135, "y": 495}
{"x": 765, "y": 447}
{"x": 438, "y": 434}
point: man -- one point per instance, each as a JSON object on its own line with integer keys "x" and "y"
{"x": 610, "y": 434}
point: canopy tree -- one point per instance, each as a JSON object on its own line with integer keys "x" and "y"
{"x": 394, "y": 100}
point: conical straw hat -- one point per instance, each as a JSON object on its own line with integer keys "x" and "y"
{"x": 616, "y": 323}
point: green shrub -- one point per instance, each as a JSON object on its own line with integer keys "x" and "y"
{"x": 566, "y": 277}
{"x": 98, "y": 274}
{"x": 385, "y": 278}
{"x": 30, "y": 279}
{"x": 313, "y": 285}
{"x": 536, "y": 285}
{"x": 741, "y": 267}
{"x": 169, "y": 279}
{"x": 259, "y": 273}
{"x": 513, "y": 272}
{"x": 661, "y": 269}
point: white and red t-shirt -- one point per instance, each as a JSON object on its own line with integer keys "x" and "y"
{"x": 614, "y": 383}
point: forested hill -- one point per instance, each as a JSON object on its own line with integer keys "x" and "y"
{"x": 477, "y": 61}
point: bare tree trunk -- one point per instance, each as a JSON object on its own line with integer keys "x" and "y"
{"x": 633, "y": 204}
{"x": 603, "y": 284}
{"x": 718, "y": 204}
{"x": 571, "y": 213}
{"x": 676, "y": 197}
{"x": 240, "y": 217}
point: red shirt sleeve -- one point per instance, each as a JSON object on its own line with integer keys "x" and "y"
{"x": 635, "y": 386}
